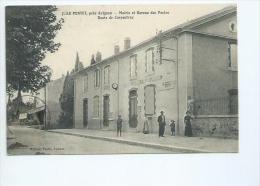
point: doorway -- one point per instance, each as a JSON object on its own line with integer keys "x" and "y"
{"x": 133, "y": 109}
{"x": 106, "y": 111}
{"x": 85, "y": 112}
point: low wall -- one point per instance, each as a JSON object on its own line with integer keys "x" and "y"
{"x": 215, "y": 126}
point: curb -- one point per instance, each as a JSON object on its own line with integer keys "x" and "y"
{"x": 137, "y": 143}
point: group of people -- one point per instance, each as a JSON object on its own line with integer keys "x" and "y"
{"x": 162, "y": 124}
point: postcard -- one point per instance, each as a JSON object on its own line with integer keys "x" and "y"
{"x": 122, "y": 79}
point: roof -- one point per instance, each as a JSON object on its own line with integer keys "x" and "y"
{"x": 38, "y": 109}
{"x": 175, "y": 30}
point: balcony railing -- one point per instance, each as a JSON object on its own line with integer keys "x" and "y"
{"x": 216, "y": 106}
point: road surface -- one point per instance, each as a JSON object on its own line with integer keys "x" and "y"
{"x": 29, "y": 141}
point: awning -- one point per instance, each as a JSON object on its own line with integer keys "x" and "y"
{"x": 38, "y": 109}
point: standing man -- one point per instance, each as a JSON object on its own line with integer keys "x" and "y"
{"x": 161, "y": 121}
{"x": 119, "y": 125}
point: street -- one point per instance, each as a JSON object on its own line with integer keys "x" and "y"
{"x": 29, "y": 141}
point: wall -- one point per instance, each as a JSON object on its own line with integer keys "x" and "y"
{"x": 53, "y": 92}
{"x": 211, "y": 76}
{"x": 185, "y": 64}
{"x": 216, "y": 126}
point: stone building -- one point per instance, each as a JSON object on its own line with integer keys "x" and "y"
{"x": 192, "y": 66}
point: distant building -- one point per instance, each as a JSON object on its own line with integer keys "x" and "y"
{"x": 53, "y": 91}
{"x": 192, "y": 66}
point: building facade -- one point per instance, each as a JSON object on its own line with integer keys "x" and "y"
{"x": 175, "y": 71}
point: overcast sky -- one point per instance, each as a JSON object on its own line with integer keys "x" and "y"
{"x": 87, "y": 34}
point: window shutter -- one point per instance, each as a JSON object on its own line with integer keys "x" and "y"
{"x": 149, "y": 94}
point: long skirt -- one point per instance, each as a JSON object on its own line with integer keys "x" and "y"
{"x": 188, "y": 130}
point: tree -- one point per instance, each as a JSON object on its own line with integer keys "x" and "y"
{"x": 30, "y": 33}
{"x": 78, "y": 64}
{"x": 67, "y": 103}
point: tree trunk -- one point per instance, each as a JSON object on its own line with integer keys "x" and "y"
{"x": 18, "y": 103}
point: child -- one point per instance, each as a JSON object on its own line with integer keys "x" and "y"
{"x": 172, "y": 125}
{"x": 119, "y": 125}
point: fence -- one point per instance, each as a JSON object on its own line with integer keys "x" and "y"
{"x": 217, "y": 106}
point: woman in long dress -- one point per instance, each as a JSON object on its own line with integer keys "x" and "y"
{"x": 187, "y": 121}
{"x": 146, "y": 126}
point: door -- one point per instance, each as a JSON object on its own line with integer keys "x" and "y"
{"x": 85, "y": 112}
{"x": 105, "y": 111}
{"x": 133, "y": 109}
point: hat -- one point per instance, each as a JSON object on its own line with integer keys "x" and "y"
{"x": 162, "y": 112}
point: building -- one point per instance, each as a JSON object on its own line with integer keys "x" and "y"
{"x": 53, "y": 109}
{"x": 192, "y": 67}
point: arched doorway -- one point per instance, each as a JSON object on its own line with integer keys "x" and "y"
{"x": 106, "y": 110}
{"x": 133, "y": 109}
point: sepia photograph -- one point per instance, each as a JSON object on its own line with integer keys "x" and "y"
{"x": 121, "y": 79}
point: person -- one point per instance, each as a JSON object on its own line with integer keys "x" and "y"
{"x": 187, "y": 121}
{"x": 161, "y": 121}
{"x": 172, "y": 125}
{"x": 119, "y": 125}
{"x": 146, "y": 126}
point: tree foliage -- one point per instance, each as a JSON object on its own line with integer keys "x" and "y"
{"x": 78, "y": 64}
{"x": 30, "y": 33}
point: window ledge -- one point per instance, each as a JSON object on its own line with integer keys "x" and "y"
{"x": 232, "y": 69}
{"x": 133, "y": 78}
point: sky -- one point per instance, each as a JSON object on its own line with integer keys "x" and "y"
{"x": 86, "y": 34}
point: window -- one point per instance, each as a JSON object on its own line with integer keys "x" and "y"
{"x": 106, "y": 75}
{"x": 96, "y": 106}
{"x": 149, "y": 98}
{"x": 149, "y": 60}
{"x": 133, "y": 66}
{"x": 85, "y": 85}
{"x": 96, "y": 78}
{"x": 232, "y": 55}
{"x": 232, "y": 26}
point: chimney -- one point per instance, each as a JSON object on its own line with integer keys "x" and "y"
{"x": 127, "y": 43}
{"x": 92, "y": 61}
{"x": 116, "y": 49}
{"x": 98, "y": 57}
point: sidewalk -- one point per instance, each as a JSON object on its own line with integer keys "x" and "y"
{"x": 172, "y": 143}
